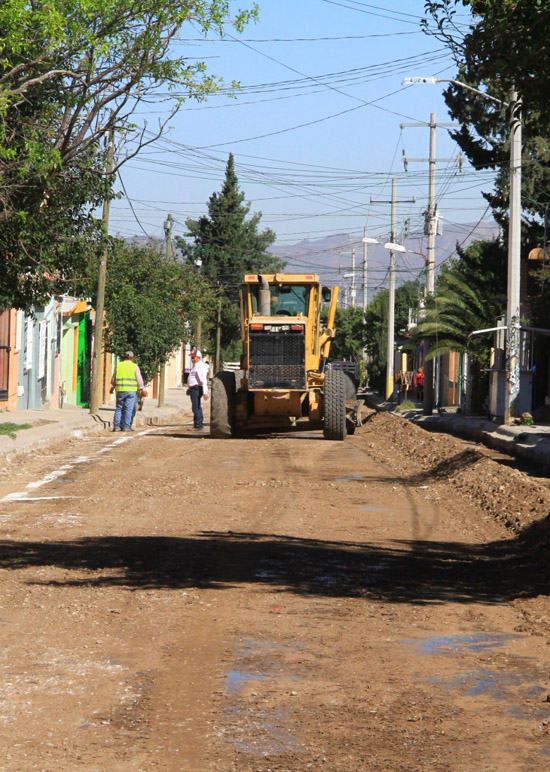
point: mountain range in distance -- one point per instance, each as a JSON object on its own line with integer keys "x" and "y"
{"x": 331, "y": 257}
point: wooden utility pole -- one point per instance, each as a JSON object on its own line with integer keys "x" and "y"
{"x": 95, "y": 393}
{"x": 218, "y": 337}
{"x": 162, "y": 370}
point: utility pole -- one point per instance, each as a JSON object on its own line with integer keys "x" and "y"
{"x": 353, "y": 288}
{"x": 390, "y": 381}
{"x": 431, "y": 228}
{"x": 168, "y": 223}
{"x": 162, "y": 369}
{"x": 511, "y": 402}
{"x": 218, "y": 336}
{"x": 390, "y": 377}
{"x": 95, "y": 392}
{"x": 513, "y": 382}
{"x": 365, "y": 263}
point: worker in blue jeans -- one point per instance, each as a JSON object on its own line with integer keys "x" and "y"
{"x": 127, "y": 381}
{"x": 197, "y": 387}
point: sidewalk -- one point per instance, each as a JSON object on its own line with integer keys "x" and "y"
{"x": 531, "y": 443}
{"x": 50, "y": 426}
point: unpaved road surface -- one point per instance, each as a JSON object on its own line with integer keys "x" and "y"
{"x": 170, "y": 602}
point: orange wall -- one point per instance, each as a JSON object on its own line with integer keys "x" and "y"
{"x": 11, "y": 402}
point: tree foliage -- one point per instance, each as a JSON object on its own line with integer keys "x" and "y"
{"x": 228, "y": 243}
{"x": 503, "y": 48}
{"x": 451, "y": 315}
{"x": 482, "y": 266}
{"x": 505, "y": 45}
{"x": 148, "y": 303}
{"x": 69, "y": 73}
{"x": 406, "y": 297}
{"x": 350, "y": 335}
{"x": 470, "y": 295}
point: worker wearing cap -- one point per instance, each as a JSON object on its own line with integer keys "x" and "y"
{"x": 127, "y": 381}
{"x": 197, "y": 387}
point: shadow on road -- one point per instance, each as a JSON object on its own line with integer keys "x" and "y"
{"x": 411, "y": 572}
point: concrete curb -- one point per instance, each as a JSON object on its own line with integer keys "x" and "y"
{"x": 51, "y": 428}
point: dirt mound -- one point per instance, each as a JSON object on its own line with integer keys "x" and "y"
{"x": 507, "y": 495}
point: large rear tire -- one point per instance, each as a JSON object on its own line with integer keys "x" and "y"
{"x": 222, "y": 405}
{"x": 335, "y": 405}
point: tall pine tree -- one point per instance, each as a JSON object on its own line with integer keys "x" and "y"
{"x": 228, "y": 245}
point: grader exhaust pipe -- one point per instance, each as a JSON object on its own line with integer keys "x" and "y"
{"x": 265, "y": 297}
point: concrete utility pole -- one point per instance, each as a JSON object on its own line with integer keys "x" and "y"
{"x": 431, "y": 227}
{"x": 390, "y": 384}
{"x": 365, "y": 264}
{"x": 353, "y": 288}
{"x": 512, "y": 395}
{"x": 511, "y": 403}
{"x": 168, "y": 223}
{"x": 390, "y": 376}
{"x": 95, "y": 392}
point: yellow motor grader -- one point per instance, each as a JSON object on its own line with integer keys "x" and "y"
{"x": 284, "y": 382}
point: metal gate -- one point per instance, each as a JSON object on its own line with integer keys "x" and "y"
{"x": 4, "y": 354}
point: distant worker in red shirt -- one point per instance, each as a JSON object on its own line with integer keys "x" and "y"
{"x": 419, "y": 384}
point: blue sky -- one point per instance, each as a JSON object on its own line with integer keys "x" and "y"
{"x": 315, "y": 129}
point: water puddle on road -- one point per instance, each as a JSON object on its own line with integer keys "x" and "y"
{"x": 481, "y": 683}
{"x": 255, "y": 722}
{"x": 440, "y": 644}
{"x": 235, "y": 679}
{"x": 524, "y": 698}
{"x": 351, "y": 478}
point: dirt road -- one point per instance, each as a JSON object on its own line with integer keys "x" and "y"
{"x": 170, "y": 602}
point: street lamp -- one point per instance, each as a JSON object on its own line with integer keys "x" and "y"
{"x": 511, "y": 408}
{"x": 366, "y": 240}
{"x": 390, "y": 385}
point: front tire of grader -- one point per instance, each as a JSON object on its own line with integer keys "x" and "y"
{"x": 222, "y": 403}
{"x": 335, "y": 405}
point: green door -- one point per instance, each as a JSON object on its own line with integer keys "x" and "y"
{"x": 83, "y": 366}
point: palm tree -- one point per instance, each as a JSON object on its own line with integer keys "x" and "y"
{"x": 454, "y": 312}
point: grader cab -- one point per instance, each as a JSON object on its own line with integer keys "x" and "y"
{"x": 284, "y": 382}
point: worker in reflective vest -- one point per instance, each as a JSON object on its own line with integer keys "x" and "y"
{"x": 127, "y": 381}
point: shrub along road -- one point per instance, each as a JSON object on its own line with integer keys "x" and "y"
{"x": 172, "y": 602}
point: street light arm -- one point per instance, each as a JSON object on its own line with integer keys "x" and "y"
{"x": 432, "y": 81}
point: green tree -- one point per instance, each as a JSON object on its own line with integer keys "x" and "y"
{"x": 482, "y": 266}
{"x": 452, "y": 314}
{"x": 455, "y": 311}
{"x": 406, "y": 297}
{"x": 148, "y": 302}
{"x": 69, "y": 73}
{"x": 350, "y": 335}
{"x": 503, "y": 47}
{"x": 470, "y": 295}
{"x": 228, "y": 245}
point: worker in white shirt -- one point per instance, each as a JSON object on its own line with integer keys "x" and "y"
{"x": 197, "y": 387}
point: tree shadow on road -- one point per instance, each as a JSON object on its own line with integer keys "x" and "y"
{"x": 405, "y": 571}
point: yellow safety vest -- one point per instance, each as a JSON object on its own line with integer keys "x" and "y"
{"x": 126, "y": 376}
